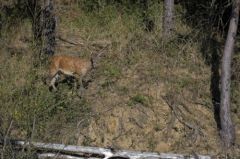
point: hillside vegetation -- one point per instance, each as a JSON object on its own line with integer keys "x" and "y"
{"x": 143, "y": 95}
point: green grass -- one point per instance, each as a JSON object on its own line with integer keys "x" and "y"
{"x": 112, "y": 71}
{"x": 140, "y": 99}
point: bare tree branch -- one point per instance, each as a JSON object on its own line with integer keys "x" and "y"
{"x": 6, "y": 139}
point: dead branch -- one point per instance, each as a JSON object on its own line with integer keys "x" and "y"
{"x": 168, "y": 130}
{"x": 6, "y": 138}
{"x": 99, "y": 43}
{"x": 68, "y": 41}
{"x": 180, "y": 118}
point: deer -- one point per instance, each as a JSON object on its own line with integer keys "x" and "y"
{"x": 69, "y": 65}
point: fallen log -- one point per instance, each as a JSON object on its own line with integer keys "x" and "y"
{"x": 80, "y": 152}
{"x": 60, "y": 156}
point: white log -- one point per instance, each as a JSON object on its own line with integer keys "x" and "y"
{"x": 104, "y": 152}
{"x": 60, "y": 156}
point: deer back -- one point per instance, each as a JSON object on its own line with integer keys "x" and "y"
{"x": 69, "y": 65}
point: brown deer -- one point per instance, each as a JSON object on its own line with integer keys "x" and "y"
{"x": 69, "y": 65}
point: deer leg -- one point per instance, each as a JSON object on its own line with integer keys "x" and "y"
{"x": 80, "y": 84}
{"x": 53, "y": 81}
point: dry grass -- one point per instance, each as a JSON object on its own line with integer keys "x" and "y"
{"x": 124, "y": 106}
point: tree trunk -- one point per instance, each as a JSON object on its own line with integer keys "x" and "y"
{"x": 49, "y": 28}
{"x": 227, "y": 129}
{"x": 168, "y": 22}
{"x": 1, "y": 23}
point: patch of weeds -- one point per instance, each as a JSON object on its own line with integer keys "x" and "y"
{"x": 130, "y": 103}
{"x": 108, "y": 83}
{"x": 87, "y": 141}
{"x": 131, "y": 58}
{"x": 152, "y": 143}
{"x": 107, "y": 15}
{"x": 155, "y": 73}
{"x": 123, "y": 90}
{"x": 184, "y": 82}
{"x": 170, "y": 49}
{"x": 235, "y": 97}
{"x": 157, "y": 127}
{"x": 112, "y": 71}
{"x": 140, "y": 99}
{"x": 181, "y": 82}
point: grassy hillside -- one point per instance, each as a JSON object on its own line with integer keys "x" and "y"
{"x": 144, "y": 95}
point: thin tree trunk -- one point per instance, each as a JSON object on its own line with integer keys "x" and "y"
{"x": 227, "y": 129}
{"x": 168, "y": 21}
{"x": 49, "y": 28}
{"x": 1, "y": 23}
